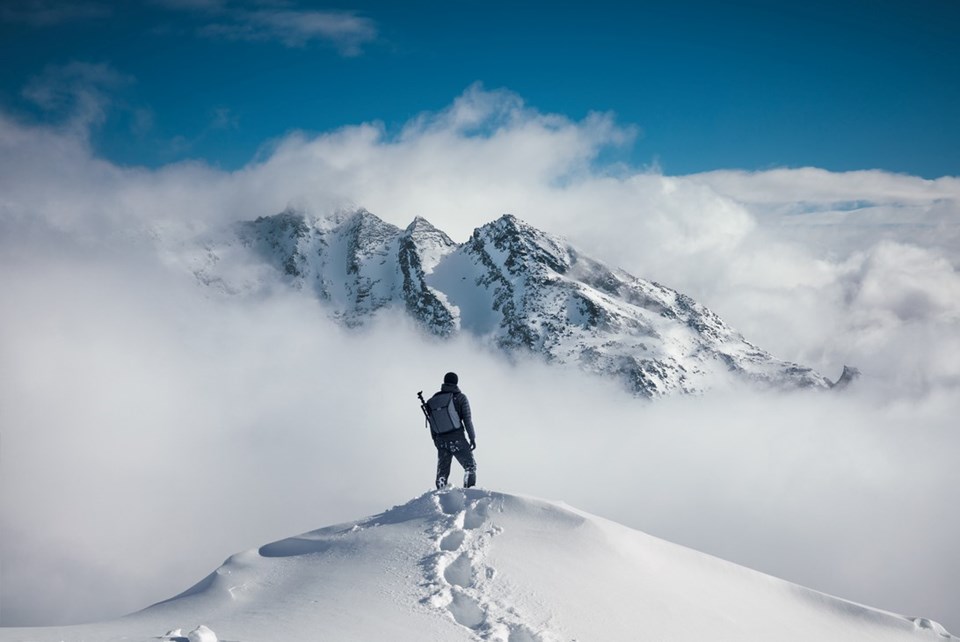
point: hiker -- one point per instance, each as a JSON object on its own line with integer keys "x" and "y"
{"x": 448, "y": 413}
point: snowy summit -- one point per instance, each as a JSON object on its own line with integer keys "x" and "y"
{"x": 480, "y": 565}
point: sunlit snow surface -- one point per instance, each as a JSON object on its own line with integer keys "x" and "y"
{"x": 479, "y": 565}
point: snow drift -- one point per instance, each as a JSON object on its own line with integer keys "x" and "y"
{"x": 475, "y": 564}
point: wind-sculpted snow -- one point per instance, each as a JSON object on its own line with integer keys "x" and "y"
{"x": 512, "y": 286}
{"x": 472, "y": 564}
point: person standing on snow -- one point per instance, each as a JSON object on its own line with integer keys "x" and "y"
{"x": 452, "y": 431}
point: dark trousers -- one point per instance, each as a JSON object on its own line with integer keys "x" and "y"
{"x": 459, "y": 447}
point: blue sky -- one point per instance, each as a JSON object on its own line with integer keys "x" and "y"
{"x": 840, "y": 85}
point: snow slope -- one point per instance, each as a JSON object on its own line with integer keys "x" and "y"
{"x": 479, "y": 565}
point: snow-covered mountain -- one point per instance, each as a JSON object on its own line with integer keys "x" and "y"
{"x": 480, "y": 565}
{"x": 512, "y": 285}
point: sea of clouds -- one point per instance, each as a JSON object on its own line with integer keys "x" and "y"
{"x": 151, "y": 427}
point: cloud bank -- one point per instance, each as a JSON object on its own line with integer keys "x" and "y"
{"x": 151, "y": 428}
{"x": 283, "y": 22}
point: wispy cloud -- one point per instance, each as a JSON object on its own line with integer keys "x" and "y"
{"x": 222, "y": 119}
{"x": 45, "y": 13}
{"x": 78, "y": 92}
{"x": 347, "y": 31}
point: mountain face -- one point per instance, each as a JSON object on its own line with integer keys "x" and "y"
{"x": 481, "y": 565}
{"x": 519, "y": 289}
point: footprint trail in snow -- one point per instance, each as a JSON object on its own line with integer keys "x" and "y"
{"x": 460, "y": 580}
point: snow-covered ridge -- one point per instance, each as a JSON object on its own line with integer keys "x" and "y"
{"x": 481, "y": 565}
{"x": 515, "y": 287}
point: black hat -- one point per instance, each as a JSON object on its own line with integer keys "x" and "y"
{"x": 451, "y": 377}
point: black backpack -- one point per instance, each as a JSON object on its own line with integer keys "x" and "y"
{"x": 442, "y": 413}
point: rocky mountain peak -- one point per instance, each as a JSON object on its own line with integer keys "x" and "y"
{"x": 520, "y": 247}
{"x": 420, "y": 225}
{"x": 514, "y": 287}
{"x": 421, "y": 229}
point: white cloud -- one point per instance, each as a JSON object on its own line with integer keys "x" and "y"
{"x": 232, "y": 422}
{"x": 780, "y": 186}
